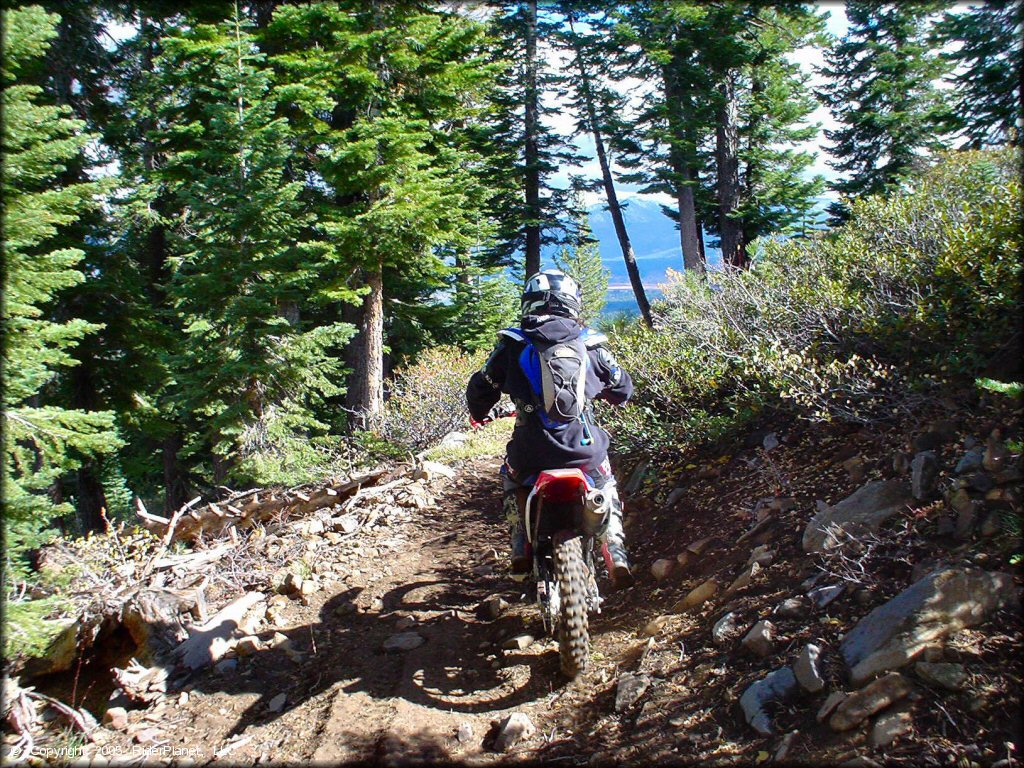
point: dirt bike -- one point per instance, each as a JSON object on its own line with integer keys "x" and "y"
{"x": 564, "y": 514}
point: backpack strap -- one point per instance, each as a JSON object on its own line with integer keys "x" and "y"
{"x": 529, "y": 363}
{"x": 592, "y": 339}
{"x": 513, "y": 333}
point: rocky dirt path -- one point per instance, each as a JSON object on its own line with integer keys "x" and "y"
{"x": 347, "y": 698}
{"x": 669, "y": 672}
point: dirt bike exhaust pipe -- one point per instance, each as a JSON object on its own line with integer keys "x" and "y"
{"x": 595, "y": 510}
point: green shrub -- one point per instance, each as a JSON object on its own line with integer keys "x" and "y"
{"x": 31, "y": 626}
{"x": 427, "y": 400}
{"x": 285, "y": 448}
{"x": 860, "y": 324}
{"x": 685, "y": 392}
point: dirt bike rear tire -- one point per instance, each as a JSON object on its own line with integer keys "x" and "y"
{"x": 573, "y": 625}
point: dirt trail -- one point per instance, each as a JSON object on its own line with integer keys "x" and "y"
{"x": 347, "y": 699}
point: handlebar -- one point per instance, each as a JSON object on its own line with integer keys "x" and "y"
{"x": 493, "y": 415}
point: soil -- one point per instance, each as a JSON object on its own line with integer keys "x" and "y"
{"x": 347, "y": 700}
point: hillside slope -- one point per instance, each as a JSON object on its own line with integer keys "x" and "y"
{"x": 399, "y": 638}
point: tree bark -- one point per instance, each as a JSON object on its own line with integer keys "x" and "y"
{"x": 532, "y": 153}
{"x": 727, "y": 155}
{"x": 609, "y": 190}
{"x": 689, "y": 234}
{"x": 175, "y": 482}
{"x": 689, "y": 229}
{"x": 463, "y": 262}
{"x": 90, "y": 499}
{"x": 366, "y": 384}
{"x": 700, "y": 237}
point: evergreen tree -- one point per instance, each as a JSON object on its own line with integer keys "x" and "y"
{"x": 525, "y": 149}
{"x": 72, "y": 74}
{"x": 668, "y": 142}
{"x": 391, "y": 182}
{"x": 881, "y": 90}
{"x": 597, "y": 105}
{"x": 720, "y": 134}
{"x": 147, "y": 335}
{"x": 776, "y": 194}
{"x": 761, "y": 106}
{"x": 42, "y": 439}
{"x": 483, "y": 302}
{"x": 244, "y": 263}
{"x": 987, "y": 66}
{"x": 582, "y": 260}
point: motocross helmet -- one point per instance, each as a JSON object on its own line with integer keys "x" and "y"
{"x": 552, "y": 292}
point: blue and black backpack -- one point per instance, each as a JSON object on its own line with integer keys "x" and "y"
{"x": 557, "y": 374}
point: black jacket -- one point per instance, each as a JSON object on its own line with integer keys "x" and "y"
{"x": 532, "y": 447}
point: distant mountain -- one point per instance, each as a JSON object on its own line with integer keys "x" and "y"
{"x": 655, "y": 240}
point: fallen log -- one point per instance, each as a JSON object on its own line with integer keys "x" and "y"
{"x": 208, "y": 642}
{"x": 153, "y": 617}
{"x": 192, "y": 521}
{"x": 191, "y": 560}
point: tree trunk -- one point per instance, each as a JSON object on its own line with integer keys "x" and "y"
{"x": 689, "y": 238}
{"x": 532, "y": 153}
{"x": 727, "y": 151}
{"x": 90, "y": 500}
{"x": 89, "y": 495}
{"x": 220, "y": 463}
{"x": 699, "y": 221}
{"x": 176, "y": 489}
{"x": 609, "y": 190}
{"x": 366, "y": 384}
{"x": 462, "y": 268}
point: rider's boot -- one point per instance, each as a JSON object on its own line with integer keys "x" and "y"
{"x": 520, "y": 559}
{"x": 615, "y": 542}
{"x": 621, "y": 574}
{"x": 520, "y": 564}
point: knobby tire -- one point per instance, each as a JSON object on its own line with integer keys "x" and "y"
{"x": 573, "y": 629}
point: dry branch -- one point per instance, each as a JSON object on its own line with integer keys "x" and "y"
{"x": 192, "y": 560}
{"x": 83, "y": 721}
{"x": 210, "y": 519}
{"x": 209, "y": 641}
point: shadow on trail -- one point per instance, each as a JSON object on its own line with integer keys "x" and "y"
{"x": 451, "y": 671}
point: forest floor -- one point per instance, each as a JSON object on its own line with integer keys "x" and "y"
{"x": 346, "y": 699}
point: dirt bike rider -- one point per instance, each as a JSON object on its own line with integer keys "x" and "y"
{"x": 550, "y": 311}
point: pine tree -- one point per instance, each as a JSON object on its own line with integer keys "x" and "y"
{"x": 720, "y": 136}
{"x": 392, "y": 182}
{"x": 667, "y": 144}
{"x": 582, "y": 260}
{"x": 776, "y": 194}
{"x": 761, "y": 105}
{"x": 42, "y": 439}
{"x": 882, "y": 93}
{"x": 243, "y": 265}
{"x": 521, "y": 146}
{"x": 147, "y": 335}
{"x": 597, "y": 105}
{"x": 484, "y": 301}
{"x": 986, "y": 56}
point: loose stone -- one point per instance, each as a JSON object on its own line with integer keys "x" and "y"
{"x": 806, "y": 669}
